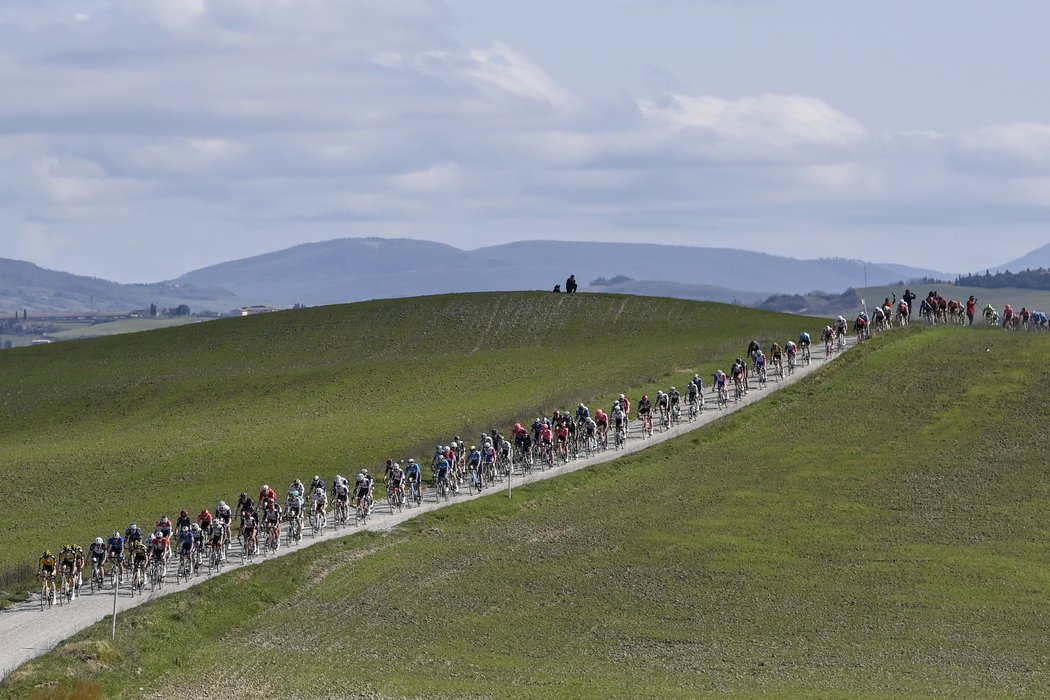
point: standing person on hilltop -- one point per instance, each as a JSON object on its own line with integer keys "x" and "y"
{"x": 909, "y": 297}
{"x": 570, "y": 284}
{"x": 971, "y": 308}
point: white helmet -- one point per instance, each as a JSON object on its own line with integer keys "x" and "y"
{"x": 98, "y": 540}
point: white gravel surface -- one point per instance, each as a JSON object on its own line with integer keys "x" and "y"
{"x": 28, "y": 632}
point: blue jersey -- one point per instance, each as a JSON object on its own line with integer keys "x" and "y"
{"x": 116, "y": 544}
{"x": 413, "y": 471}
{"x": 442, "y": 466}
{"x": 803, "y": 338}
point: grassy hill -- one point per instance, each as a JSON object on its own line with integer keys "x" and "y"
{"x": 102, "y": 432}
{"x": 876, "y": 530}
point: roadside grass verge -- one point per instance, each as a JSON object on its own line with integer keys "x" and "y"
{"x": 103, "y": 432}
{"x": 876, "y": 530}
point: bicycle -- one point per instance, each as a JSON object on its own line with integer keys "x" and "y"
{"x": 723, "y": 397}
{"x": 247, "y": 545}
{"x": 97, "y": 579}
{"x": 320, "y": 520}
{"x": 647, "y": 425}
{"x": 342, "y": 511}
{"x": 215, "y": 557}
{"x": 47, "y": 592}
{"x": 621, "y": 435}
{"x": 694, "y": 408}
{"x": 295, "y": 530}
{"x": 791, "y": 364}
{"x": 185, "y": 568}
{"x": 676, "y": 414}
{"x": 156, "y": 577}
{"x": 361, "y": 516}
{"x": 805, "y": 355}
{"x": 138, "y": 578}
{"x": 66, "y": 588}
{"x": 415, "y": 492}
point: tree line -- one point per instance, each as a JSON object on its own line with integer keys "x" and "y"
{"x": 1028, "y": 279}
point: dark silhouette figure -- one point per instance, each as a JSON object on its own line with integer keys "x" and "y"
{"x": 570, "y": 284}
{"x": 908, "y": 298}
{"x": 557, "y": 289}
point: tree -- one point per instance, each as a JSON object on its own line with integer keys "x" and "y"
{"x": 182, "y": 310}
{"x": 153, "y": 310}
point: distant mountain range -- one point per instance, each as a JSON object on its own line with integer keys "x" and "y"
{"x": 354, "y": 269}
{"x": 24, "y": 285}
{"x": 1032, "y": 260}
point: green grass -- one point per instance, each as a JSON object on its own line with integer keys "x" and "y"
{"x": 877, "y": 530}
{"x": 102, "y": 432}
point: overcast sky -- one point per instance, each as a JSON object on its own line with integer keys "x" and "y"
{"x": 141, "y": 139}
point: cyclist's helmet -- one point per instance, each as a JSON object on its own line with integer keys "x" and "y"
{"x": 116, "y": 534}
{"x": 317, "y": 477}
{"x": 622, "y": 396}
{"x": 696, "y": 376}
{"x": 47, "y": 553}
{"x": 365, "y": 472}
{"x": 164, "y": 518}
{"x": 338, "y": 477}
{"x": 266, "y": 487}
{"x": 184, "y": 513}
{"x": 66, "y": 548}
{"x": 673, "y": 389}
{"x": 244, "y": 495}
{"x": 133, "y": 527}
{"x": 222, "y": 504}
{"x": 645, "y": 397}
{"x": 659, "y": 392}
{"x": 150, "y": 537}
{"x": 195, "y": 527}
{"x": 98, "y": 540}
{"x": 294, "y": 493}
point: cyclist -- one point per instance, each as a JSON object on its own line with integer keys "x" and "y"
{"x": 78, "y": 553}
{"x": 320, "y": 499}
{"x": 753, "y": 348}
{"x": 116, "y": 554}
{"x": 164, "y": 526}
{"x": 692, "y": 393}
{"x": 68, "y": 560}
{"x": 619, "y": 419}
{"x": 272, "y": 518}
{"x": 662, "y": 403}
{"x": 245, "y": 504}
{"x": 776, "y": 355}
{"x": 792, "y": 350}
{"x": 590, "y": 428}
{"x": 738, "y": 371}
{"x": 204, "y": 520}
{"x": 187, "y": 546}
{"x": 224, "y": 514}
{"x": 184, "y": 520}
{"x": 341, "y": 491}
{"x": 841, "y": 325}
{"x": 699, "y": 382}
{"x": 249, "y": 528}
{"x": 582, "y": 413}
{"x": 46, "y": 570}
{"x": 198, "y": 540}
{"x": 547, "y": 437}
{"x": 266, "y": 494}
{"x": 477, "y": 476}
{"x": 804, "y": 341}
{"x": 133, "y": 533}
{"x": 675, "y": 398}
{"x": 601, "y": 420}
{"x": 441, "y": 469}
{"x": 293, "y": 506}
{"x": 720, "y": 383}
{"x": 625, "y": 404}
{"x": 217, "y": 537}
{"x": 317, "y": 483}
{"x": 363, "y": 495}
{"x": 760, "y": 367}
{"x": 645, "y": 414}
{"x": 827, "y": 337}
{"x": 561, "y": 435}
{"x": 138, "y": 555}
{"x": 160, "y": 549}
{"x": 97, "y": 551}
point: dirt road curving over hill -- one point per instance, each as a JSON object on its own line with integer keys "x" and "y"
{"x": 29, "y": 632}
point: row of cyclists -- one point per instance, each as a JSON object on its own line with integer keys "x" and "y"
{"x": 453, "y": 466}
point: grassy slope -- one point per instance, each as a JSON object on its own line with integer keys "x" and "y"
{"x": 101, "y": 432}
{"x": 876, "y": 530}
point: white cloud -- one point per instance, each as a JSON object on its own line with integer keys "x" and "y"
{"x": 769, "y": 120}
{"x": 1025, "y": 143}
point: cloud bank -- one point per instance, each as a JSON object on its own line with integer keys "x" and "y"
{"x": 140, "y": 139}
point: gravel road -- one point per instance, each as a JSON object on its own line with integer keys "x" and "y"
{"x": 29, "y": 632}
